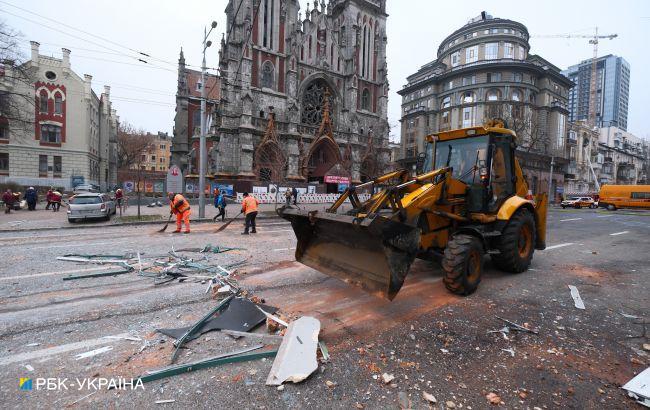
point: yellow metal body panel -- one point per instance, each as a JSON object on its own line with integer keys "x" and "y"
{"x": 468, "y": 133}
{"x": 541, "y": 205}
{"x": 510, "y": 206}
{"x": 521, "y": 187}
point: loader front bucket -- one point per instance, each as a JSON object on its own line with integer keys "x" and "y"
{"x": 375, "y": 254}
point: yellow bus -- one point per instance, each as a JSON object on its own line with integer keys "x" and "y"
{"x": 613, "y": 197}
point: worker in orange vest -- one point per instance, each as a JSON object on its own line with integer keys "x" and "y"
{"x": 181, "y": 208}
{"x": 249, "y": 207}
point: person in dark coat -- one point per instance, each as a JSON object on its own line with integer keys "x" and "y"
{"x": 294, "y": 192}
{"x": 31, "y": 196}
{"x": 48, "y": 198}
{"x": 8, "y": 198}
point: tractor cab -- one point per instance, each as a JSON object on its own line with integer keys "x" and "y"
{"x": 481, "y": 158}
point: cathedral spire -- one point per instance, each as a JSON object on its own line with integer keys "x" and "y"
{"x": 181, "y": 58}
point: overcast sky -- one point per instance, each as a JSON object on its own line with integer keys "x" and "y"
{"x": 143, "y": 94}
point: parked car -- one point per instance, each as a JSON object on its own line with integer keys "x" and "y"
{"x": 578, "y": 202}
{"x": 90, "y": 206}
{"x": 85, "y": 188}
{"x": 613, "y": 197}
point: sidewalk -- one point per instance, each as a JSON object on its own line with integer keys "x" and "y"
{"x": 26, "y": 220}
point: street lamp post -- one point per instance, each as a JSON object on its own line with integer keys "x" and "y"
{"x": 202, "y": 144}
{"x": 551, "y": 197}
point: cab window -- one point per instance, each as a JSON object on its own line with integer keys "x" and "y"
{"x": 500, "y": 178}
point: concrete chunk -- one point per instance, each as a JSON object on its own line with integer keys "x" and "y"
{"x": 296, "y": 358}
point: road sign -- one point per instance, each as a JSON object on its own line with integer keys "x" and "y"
{"x": 174, "y": 179}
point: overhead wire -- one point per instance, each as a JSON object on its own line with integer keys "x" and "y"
{"x": 138, "y": 52}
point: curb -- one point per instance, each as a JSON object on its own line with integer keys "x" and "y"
{"x": 136, "y": 223}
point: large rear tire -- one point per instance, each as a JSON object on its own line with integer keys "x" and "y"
{"x": 517, "y": 243}
{"x": 463, "y": 264}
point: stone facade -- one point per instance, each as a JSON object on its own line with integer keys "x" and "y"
{"x": 615, "y": 156}
{"x": 273, "y": 61}
{"x": 73, "y": 134}
{"x": 187, "y": 121}
{"x": 583, "y": 155}
{"x": 623, "y": 157}
{"x": 484, "y": 70}
{"x": 157, "y": 159}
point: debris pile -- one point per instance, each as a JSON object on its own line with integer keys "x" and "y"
{"x": 164, "y": 268}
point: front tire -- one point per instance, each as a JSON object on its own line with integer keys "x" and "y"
{"x": 463, "y": 264}
{"x": 611, "y": 207}
{"x": 517, "y": 243}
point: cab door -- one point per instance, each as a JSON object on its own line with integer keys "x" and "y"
{"x": 502, "y": 176}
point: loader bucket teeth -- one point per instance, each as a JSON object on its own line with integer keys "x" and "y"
{"x": 373, "y": 253}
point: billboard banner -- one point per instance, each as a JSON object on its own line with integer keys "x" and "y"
{"x": 335, "y": 179}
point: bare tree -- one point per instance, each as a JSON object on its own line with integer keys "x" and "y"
{"x": 133, "y": 145}
{"x": 525, "y": 122}
{"x": 16, "y": 101}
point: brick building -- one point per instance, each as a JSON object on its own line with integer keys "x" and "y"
{"x": 274, "y": 63}
{"x": 73, "y": 136}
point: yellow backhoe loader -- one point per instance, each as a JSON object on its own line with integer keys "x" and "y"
{"x": 469, "y": 201}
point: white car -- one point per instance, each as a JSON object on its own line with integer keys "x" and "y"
{"x": 85, "y": 188}
{"x": 90, "y": 206}
{"x": 579, "y": 202}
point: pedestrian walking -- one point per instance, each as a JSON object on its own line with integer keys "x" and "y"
{"x": 8, "y": 198}
{"x": 294, "y": 191}
{"x": 48, "y": 198}
{"x": 287, "y": 197}
{"x": 249, "y": 208}
{"x": 220, "y": 204}
{"x": 119, "y": 195}
{"x": 181, "y": 208}
{"x": 31, "y": 196}
{"x": 56, "y": 201}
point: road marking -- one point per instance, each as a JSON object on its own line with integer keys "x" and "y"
{"x": 561, "y": 245}
{"x": 75, "y": 245}
{"x": 284, "y": 249}
{"x": 66, "y": 272}
{"x": 51, "y": 351}
{"x": 604, "y": 216}
{"x": 572, "y": 219}
{"x": 619, "y": 233}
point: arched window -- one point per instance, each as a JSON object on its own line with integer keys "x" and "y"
{"x": 446, "y": 103}
{"x": 363, "y": 57}
{"x": 43, "y": 102}
{"x": 516, "y": 95}
{"x": 309, "y": 47}
{"x": 467, "y": 97}
{"x": 532, "y": 97}
{"x": 493, "y": 95}
{"x": 365, "y": 99}
{"x": 58, "y": 103}
{"x": 268, "y": 75}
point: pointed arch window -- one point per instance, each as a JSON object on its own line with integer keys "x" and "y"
{"x": 365, "y": 99}
{"x": 43, "y": 102}
{"x": 268, "y": 75}
{"x": 58, "y": 104}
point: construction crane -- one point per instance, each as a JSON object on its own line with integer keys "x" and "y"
{"x": 593, "y": 39}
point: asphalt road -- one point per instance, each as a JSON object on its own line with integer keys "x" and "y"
{"x": 429, "y": 340}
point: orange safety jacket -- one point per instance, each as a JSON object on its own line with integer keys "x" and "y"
{"x": 179, "y": 204}
{"x": 249, "y": 204}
